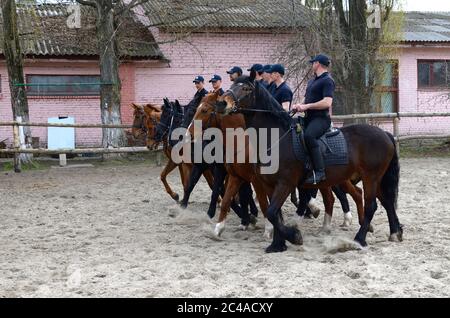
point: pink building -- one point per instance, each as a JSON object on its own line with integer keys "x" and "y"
{"x": 208, "y": 45}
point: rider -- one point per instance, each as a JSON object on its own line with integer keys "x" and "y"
{"x": 216, "y": 82}
{"x": 259, "y": 71}
{"x": 280, "y": 89}
{"x": 267, "y": 79}
{"x": 234, "y": 72}
{"x": 199, "y": 82}
{"x": 318, "y": 102}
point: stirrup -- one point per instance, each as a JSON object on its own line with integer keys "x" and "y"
{"x": 313, "y": 179}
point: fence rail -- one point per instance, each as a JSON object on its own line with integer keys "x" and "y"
{"x": 17, "y": 149}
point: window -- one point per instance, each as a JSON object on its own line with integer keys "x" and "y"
{"x": 63, "y": 85}
{"x": 433, "y": 74}
{"x": 384, "y": 98}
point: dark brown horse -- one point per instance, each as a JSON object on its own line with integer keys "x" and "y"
{"x": 372, "y": 157}
{"x": 244, "y": 172}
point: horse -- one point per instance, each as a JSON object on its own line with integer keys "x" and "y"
{"x": 155, "y": 121}
{"x": 239, "y": 174}
{"x": 219, "y": 176}
{"x": 244, "y": 171}
{"x": 145, "y": 119}
{"x": 372, "y": 157}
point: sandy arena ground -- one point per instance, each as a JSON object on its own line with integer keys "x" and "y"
{"x": 112, "y": 231}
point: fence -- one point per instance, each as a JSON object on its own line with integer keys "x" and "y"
{"x": 17, "y": 149}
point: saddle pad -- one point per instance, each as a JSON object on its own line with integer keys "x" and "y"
{"x": 333, "y": 148}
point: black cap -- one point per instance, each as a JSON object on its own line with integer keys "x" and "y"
{"x": 235, "y": 69}
{"x": 266, "y": 68}
{"x": 198, "y": 79}
{"x": 322, "y": 59}
{"x": 256, "y": 67}
{"x": 215, "y": 78}
{"x": 277, "y": 68}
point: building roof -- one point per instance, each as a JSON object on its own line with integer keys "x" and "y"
{"x": 44, "y": 33}
{"x": 427, "y": 27}
{"x": 229, "y": 14}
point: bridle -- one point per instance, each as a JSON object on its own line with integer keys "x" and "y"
{"x": 167, "y": 128}
{"x": 237, "y": 109}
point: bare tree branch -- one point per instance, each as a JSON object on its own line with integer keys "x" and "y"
{"x": 87, "y": 3}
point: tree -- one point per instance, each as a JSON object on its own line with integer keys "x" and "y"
{"x": 14, "y": 61}
{"x": 354, "y": 34}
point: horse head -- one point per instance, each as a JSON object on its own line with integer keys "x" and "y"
{"x": 239, "y": 96}
{"x": 206, "y": 113}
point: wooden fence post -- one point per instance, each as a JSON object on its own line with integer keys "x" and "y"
{"x": 397, "y": 134}
{"x": 16, "y": 140}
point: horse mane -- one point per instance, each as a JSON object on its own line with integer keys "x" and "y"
{"x": 265, "y": 101}
{"x": 153, "y": 107}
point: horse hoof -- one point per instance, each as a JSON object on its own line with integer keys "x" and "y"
{"x": 176, "y": 197}
{"x": 295, "y": 237}
{"x": 183, "y": 205}
{"x": 371, "y": 230}
{"x": 276, "y": 248}
{"x": 347, "y": 220}
{"x": 396, "y": 237}
{"x": 361, "y": 242}
{"x": 243, "y": 227}
{"x": 253, "y": 220}
{"x": 315, "y": 209}
{"x": 268, "y": 234}
{"x": 218, "y": 230}
{"x": 211, "y": 214}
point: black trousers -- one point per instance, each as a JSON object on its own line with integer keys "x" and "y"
{"x": 314, "y": 129}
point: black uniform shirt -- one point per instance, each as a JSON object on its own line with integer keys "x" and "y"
{"x": 318, "y": 88}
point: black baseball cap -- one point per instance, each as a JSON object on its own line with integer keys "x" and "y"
{"x": 198, "y": 79}
{"x": 322, "y": 59}
{"x": 256, "y": 67}
{"x": 266, "y": 68}
{"x": 277, "y": 68}
{"x": 215, "y": 78}
{"x": 235, "y": 69}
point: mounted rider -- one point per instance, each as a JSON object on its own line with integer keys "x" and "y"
{"x": 317, "y": 105}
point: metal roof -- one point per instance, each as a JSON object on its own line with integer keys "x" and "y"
{"x": 230, "y": 14}
{"x": 44, "y": 32}
{"x": 427, "y": 27}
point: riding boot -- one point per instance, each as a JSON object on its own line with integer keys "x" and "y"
{"x": 318, "y": 175}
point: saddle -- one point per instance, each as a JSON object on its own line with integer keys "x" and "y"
{"x": 333, "y": 146}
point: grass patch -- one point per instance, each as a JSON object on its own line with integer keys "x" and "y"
{"x": 29, "y": 166}
{"x": 423, "y": 149}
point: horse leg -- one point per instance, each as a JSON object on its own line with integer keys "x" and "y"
{"x": 170, "y": 166}
{"x": 370, "y": 193}
{"x": 294, "y": 198}
{"x": 252, "y": 204}
{"x": 281, "y": 231}
{"x": 245, "y": 196}
{"x": 356, "y": 193}
{"x": 342, "y": 197}
{"x": 263, "y": 204}
{"x": 195, "y": 175}
{"x": 328, "y": 200}
{"x": 388, "y": 202}
{"x": 232, "y": 189}
{"x": 312, "y": 206}
{"x": 218, "y": 190}
{"x": 209, "y": 178}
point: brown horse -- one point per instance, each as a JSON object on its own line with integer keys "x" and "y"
{"x": 238, "y": 173}
{"x": 146, "y": 120}
{"x": 244, "y": 172}
{"x": 372, "y": 157}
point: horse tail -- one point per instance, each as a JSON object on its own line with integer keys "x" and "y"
{"x": 391, "y": 178}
